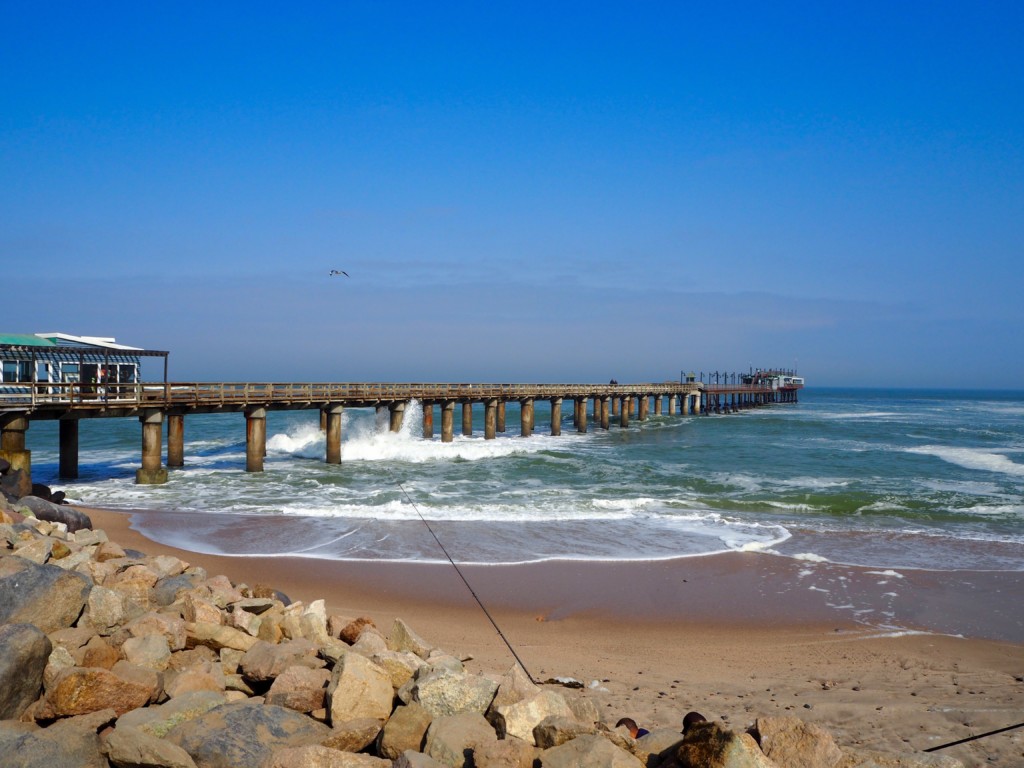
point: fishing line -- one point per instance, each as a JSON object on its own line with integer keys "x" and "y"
{"x": 973, "y": 738}
{"x": 464, "y": 581}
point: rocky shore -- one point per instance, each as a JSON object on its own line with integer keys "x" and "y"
{"x": 111, "y": 657}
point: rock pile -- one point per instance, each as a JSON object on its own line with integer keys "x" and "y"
{"x": 109, "y": 657}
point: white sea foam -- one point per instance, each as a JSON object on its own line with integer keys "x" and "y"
{"x": 810, "y": 557}
{"x": 971, "y": 458}
{"x": 890, "y": 573}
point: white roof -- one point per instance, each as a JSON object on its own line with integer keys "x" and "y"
{"x": 109, "y": 342}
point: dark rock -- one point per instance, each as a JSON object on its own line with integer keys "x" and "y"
{"x": 10, "y": 484}
{"x": 167, "y": 590}
{"x": 245, "y": 735}
{"x": 74, "y": 519}
{"x": 5, "y": 466}
{"x": 71, "y": 743}
{"x": 44, "y": 595}
{"x": 24, "y": 651}
{"x": 41, "y": 491}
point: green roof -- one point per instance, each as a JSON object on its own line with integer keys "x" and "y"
{"x": 25, "y": 340}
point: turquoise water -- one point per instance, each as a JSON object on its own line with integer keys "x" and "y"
{"x": 880, "y": 478}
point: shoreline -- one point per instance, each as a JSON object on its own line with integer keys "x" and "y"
{"x": 735, "y": 637}
{"x": 763, "y": 589}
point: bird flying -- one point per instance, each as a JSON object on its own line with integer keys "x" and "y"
{"x": 334, "y": 272}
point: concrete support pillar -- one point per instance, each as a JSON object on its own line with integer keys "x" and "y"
{"x": 526, "y": 417}
{"x": 582, "y": 426}
{"x": 490, "y": 418}
{"x": 556, "y": 416}
{"x": 645, "y": 406}
{"x": 575, "y": 413}
{"x": 624, "y": 408}
{"x": 175, "y": 440}
{"x": 381, "y": 417}
{"x": 467, "y": 418}
{"x": 672, "y": 405}
{"x": 604, "y": 412}
{"x": 500, "y": 426}
{"x": 447, "y": 421}
{"x": 151, "y": 473}
{"x": 597, "y": 409}
{"x": 68, "y": 467}
{"x": 616, "y": 402}
{"x": 12, "y": 447}
{"x": 323, "y": 420}
{"x": 255, "y": 439}
{"x": 331, "y": 415}
{"x": 428, "y": 420}
{"x": 396, "y": 413}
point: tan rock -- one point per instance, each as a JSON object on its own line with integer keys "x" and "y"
{"x": 402, "y": 638}
{"x": 150, "y": 651}
{"x": 108, "y": 550}
{"x": 790, "y": 741}
{"x": 592, "y": 751}
{"x": 405, "y": 730}
{"x": 521, "y": 718}
{"x": 198, "y": 610}
{"x": 217, "y": 636}
{"x": 300, "y": 688}
{"x": 352, "y": 735}
{"x": 99, "y": 653}
{"x": 81, "y": 690}
{"x": 359, "y": 688}
{"x": 318, "y": 756}
{"x": 204, "y": 676}
{"x": 170, "y": 627}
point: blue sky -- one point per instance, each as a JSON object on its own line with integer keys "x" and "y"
{"x": 521, "y": 192}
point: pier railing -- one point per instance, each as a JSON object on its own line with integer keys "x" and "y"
{"x": 77, "y": 395}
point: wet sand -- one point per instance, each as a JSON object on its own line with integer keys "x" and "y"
{"x": 733, "y": 636}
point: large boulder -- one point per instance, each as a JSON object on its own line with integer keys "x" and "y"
{"x": 300, "y": 688}
{"x": 317, "y": 756}
{"x": 791, "y": 742}
{"x": 24, "y": 651}
{"x": 359, "y": 688}
{"x": 265, "y": 661}
{"x": 405, "y": 730}
{"x": 159, "y": 720}
{"x": 74, "y": 519}
{"x": 81, "y": 690}
{"x": 44, "y": 595}
{"x": 709, "y": 745}
{"x": 71, "y": 743}
{"x": 442, "y": 692}
{"x": 128, "y": 747}
{"x": 593, "y": 751}
{"x": 521, "y": 718}
{"x": 244, "y": 735}
{"x": 452, "y": 740}
{"x": 402, "y": 638}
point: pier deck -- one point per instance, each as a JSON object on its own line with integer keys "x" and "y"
{"x": 154, "y": 403}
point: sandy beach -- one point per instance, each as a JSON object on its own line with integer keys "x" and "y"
{"x": 733, "y": 636}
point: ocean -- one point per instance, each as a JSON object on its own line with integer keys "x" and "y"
{"x": 887, "y": 479}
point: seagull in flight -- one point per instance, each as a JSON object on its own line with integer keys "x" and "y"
{"x": 334, "y": 272}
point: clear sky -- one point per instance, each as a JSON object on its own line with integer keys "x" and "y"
{"x": 524, "y": 191}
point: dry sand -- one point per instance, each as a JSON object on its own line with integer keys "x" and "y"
{"x": 734, "y": 637}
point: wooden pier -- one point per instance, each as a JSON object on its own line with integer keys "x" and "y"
{"x": 156, "y": 403}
